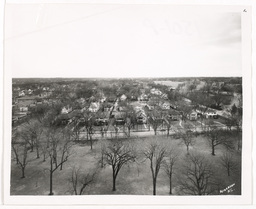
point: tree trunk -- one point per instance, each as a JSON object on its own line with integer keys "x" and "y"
{"x": 170, "y": 192}
{"x": 155, "y": 131}
{"x": 154, "y": 186}
{"x": 213, "y": 149}
{"x": 114, "y": 182}
{"x": 51, "y": 173}
{"x": 37, "y": 153}
{"x": 44, "y": 157}
{"x": 23, "y": 172}
{"x": 32, "y": 148}
{"x": 228, "y": 171}
{"x": 102, "y": 161}
{"x": 91, "y": 141}
{"x": 168, "y": 132}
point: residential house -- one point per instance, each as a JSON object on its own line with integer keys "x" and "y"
{"x": 143, "y": 97}
{"x": 165, "y": 105}
{"x": 211, "y": 114}
{"x": 23, "y": 109}
{"x": 164, "y": 96}
{"x": 26, "y": 101}
{"x": 66, "y": 110}
{"x": 30, "y": 91}
{"x": 156, "y": 91}
{"x": 141, "y": 117}
{"x": 111, "y": 99}
{"x": 134, "y": 98}
{"x": 22, "y": 93}
{"x": 94, "y": 107}
{"x": 192, "y": 115}
{"x": 123, "y": 97}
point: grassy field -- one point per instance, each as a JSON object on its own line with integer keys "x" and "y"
{"x": 133, "y": 179}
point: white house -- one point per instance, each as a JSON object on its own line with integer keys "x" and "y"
{"x": 21, "y": 93}
{"x": 123, "y": 97}
{"x": 94, "y": 107}
{"x": 66, "y": 110}
{"x": 165, "y": 105}
{"x": 23, "y": 109}
{"x": 155, "y": 91}
{"x": 211, "y": 114}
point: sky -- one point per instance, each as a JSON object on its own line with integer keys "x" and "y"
{"x": 81, "y": 40}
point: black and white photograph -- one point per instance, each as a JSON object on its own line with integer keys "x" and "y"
{"x": 152, "y": 136}
{"x": 135, "y": 101}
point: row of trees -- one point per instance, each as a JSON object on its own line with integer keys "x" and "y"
{"x": 55, "y": 146}
{"x": 197, "y": 177}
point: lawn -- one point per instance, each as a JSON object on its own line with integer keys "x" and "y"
{"x": 134, "y": 179}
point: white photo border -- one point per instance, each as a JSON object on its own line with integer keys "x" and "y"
{"x": 245, "y": 198}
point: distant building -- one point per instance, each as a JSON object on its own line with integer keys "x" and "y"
{"x": 66, "y": 110}
{"x": 30, "y": 91}
{"x": 26, "y": 101}
{"x": 123, "y": 97}
{"x": 211, "y": 114}
{"x": 22, "y": 93}
{"x": 193, "y": 115}
{"x": 155, "y": 91}
{"x": 94, "y": 107}
{"x": 165, "y": 105}
{"x": 23, "y": 109}
{"x": 143, "y": 97}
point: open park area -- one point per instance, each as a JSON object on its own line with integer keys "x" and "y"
{"x": 91, "y": 168}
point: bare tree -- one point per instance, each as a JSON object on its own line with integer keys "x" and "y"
{"x": 20, "y": 150}
{"x": 187, "y": 139}
{"x": 169, "y": 166}
{"x": 103, "y": 146}
{"x": 155, "y": 153}
{"x": 76, "y": 129}
{"x": 44, "y": 149}
{"x": 58, "y": 151}
{"x": 89, "y": 118}
{"x": 198, "y": 178}
{"x": 227, "y": 161}
{"x": 14, "y": 141}
{"x": 168, "y": 125}
{"x": 117, "y": 154}
{"x": 155, "y": 118}
{"x": 129, "y": 124}
{"x": 236, "y": 121}
{"x": 80, "y": 180}
{"x": 32, "y": 132}
{"x": 88, "y": 121}
{"x": 218, "y": 99}
{"x": 185, "y": 109}
{"x": 218, "y": 137}
{"x": 155, "y": 123}
{"x": 130, "y": 118}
